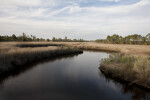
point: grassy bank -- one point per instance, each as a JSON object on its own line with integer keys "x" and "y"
{"x": 133, "y": 69}
{"x": 20, "y": 53}
{"x": 15, "y": 57}
{"x": 143, "y": 50}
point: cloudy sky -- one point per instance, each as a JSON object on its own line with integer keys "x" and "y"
{"x": 87, "y": 19}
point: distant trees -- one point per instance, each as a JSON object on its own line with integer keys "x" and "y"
{"x": 25, "y": 37}
{"x": 148, "y": 37}
{"x": 67, "y": 40}
{"x": 114, "y": 39}
{"x": 130, "y": 39}
{"x": 22, "y": 37}
{"x": 14, "y": 37}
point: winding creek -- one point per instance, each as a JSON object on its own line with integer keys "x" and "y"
{"x": 68, "y": 78}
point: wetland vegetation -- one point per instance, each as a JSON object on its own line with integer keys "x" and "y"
{"x": 130, "y": 63}
{"x": 133, "y": 69}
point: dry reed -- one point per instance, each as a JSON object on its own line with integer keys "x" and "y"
{"x": 129, "y": 68}
{"x": 12, "y": 57}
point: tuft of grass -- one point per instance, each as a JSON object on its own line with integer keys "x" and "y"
{"x": 142, "y": 66}
{"x": 119, "y": 58}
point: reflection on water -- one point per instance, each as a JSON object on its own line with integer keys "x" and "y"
{"x": 137, "y": 93}
{"x": 69, "y": 78}
{"x": 22, "y": 69}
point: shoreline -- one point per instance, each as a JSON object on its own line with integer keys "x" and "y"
{"x": 132, "y": 69}
{"x": 17, "y": 54}
{"x": 16, "y": 60}
{"x": 18, "y": 70}
{"x": 125, "y": 82}
{"x": 143, "y": 50}
{"x": 109, "y": 75}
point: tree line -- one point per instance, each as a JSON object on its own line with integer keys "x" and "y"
{"x": 25, "y": 37}
{"x": 113, "y": 39}
{"x": 130, "y": 39}
{"x": 67, "y": 40}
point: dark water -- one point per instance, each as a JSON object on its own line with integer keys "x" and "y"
{"x": 69, "y": 78}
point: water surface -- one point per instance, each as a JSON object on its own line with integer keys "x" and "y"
{"x": 69, "y": 78}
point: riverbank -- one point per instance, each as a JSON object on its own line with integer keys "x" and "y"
{"x": 143, "y": 50}
{"x": 14, "y": 54}
{"x": 133, "y": 69}
{"x": 15, "y": 57}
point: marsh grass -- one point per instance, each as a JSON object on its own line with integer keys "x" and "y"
{"x": 12, "y": 57}
{"x": 142, "y": 66}
{"x": 14, "y": 60}
{"x": 127, "y": 67}
{"x": 143, "y": 50}
{"x": 19, "y": 53}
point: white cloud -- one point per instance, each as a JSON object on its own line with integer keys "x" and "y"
{"x": 20, "y": 2}
{"x": 111, "y": 0}
{"x": 75, "y": 21}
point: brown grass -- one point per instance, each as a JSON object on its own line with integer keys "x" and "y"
{"x": 12, "y": 49}
{"x": 122, "y": 48}
{"x": 129, "y": 68}
{"x": 143, "y": 50}
{"x": 12, "y": 56}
